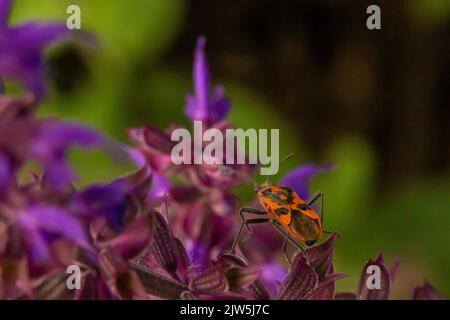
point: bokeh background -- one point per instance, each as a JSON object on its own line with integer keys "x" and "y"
{"x": 375, "y": 102}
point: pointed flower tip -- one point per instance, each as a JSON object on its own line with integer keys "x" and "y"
{"x": 426, "y": 292}
{"x": 380, "y": 258}
{"x": 201, "y": 44}
{"x": 387, "y": 277}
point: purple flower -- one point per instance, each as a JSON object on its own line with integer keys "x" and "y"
{"x": 108, "y": 201}
{"x": 39, "y": 223}
{"x": 167, "y": 272}
{"x": 300, "y": 281}
{"x": 50, "y": 144}
{"x": 16, "y": 108}
{"x": 160, "y": 184}
{"x": 312, "y": 278}
{"x": 204, "y": 105}
{"x": 387, "y": 279}
{"x": 21, "y": 49}
{"x": 5, "y": 173}
{"x": 387, "y": 276}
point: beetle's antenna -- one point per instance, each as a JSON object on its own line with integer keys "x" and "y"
{"x": 242, "y": 174}
{"x": 290, "y": 155}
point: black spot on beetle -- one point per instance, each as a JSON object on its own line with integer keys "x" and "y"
{"x": 276, "y": 199}
{"x": 281, "y": 211}
{"x": 303, "y": 207}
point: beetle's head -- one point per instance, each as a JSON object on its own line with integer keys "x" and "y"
{"x": 262, "y": 186}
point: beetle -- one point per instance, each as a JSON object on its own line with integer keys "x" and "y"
{"x": 293, "y": 217}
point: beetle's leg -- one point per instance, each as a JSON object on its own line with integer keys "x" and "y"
{"x": 313, "y": 199}
{"x": 238, "y": 236}
{"x": 286, "y": 254}
{"x": 253, "y": 211}
{"x": 290, "y": 238}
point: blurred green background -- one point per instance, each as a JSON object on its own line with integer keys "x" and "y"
{"x": 375, "y": 102}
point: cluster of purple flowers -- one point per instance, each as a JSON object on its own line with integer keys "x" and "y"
{"x": 153, "y": 234}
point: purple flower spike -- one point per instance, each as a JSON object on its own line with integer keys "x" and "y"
{"x": 21, "y": 49}
{"x": 426, "y": 292}
{"x": 298, "y": 178}
{"x": 201, "y": 105}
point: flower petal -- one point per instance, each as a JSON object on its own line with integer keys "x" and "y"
{"x": 52, "y": 286}
{"x": 298, "y": 178}
{"x": 123, "y": 282}
{"x": 31, "y": 37}
{"x": 239, "y": 277}
{"x": 164, "y": 245}
{"x": 321, "y": 256}
{"x": 131, "y": 241}
{"x": 393, "y": 269}
{"x": 40, "y": 223}
{"x": 187, "y": 295}
{"x": 184, "y": 262}
{"x": 220, "y": 106}
{"x": 155, "y": 145}
{"x": 158, "y": 284}
{"x": 5, "y": 174}
{"x": 201, "y": 106}
{"x": 5, "y": 8}
{"x": 300, "y": 281}
{"x": 197, "y": 107}
{"x": 21, "y": 51}
{"x": 50, "y": 144}
{"x": 258, "y": 290}
{"x": 108, "y": 201}
{"x": 345, "y": 296}
{"x": 325, "y": 290}
{"x": 210, "y": 281}
{"x": 230, "y": 259}
{"x": 46, "y": 218}
{"x": 426, "y": 292}
{"x": 366, "y": 293}
{"x": 14, "y": 108}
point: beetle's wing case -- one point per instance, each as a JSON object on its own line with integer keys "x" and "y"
{"x": 283, "y": 204}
